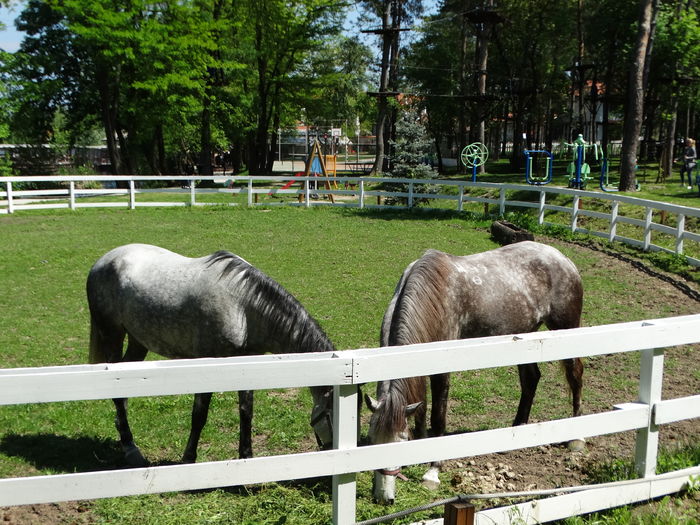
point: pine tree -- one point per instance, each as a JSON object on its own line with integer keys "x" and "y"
{"x": 412, "y": 153}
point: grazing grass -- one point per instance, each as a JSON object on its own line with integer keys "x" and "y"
{"x": 342, "y": 265}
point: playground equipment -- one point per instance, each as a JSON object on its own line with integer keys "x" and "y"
{"x": 604, "y": 172}
{"x": 534, "y": 179}
{"x": 316, "y": 167}
{"x": 473, "y": 156}
{"x": 579, "y": 171}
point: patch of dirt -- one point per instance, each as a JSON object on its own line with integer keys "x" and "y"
{"x": 65, "y": 513}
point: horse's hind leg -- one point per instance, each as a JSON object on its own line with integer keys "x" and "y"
{"x": 135, "y": 352}
{"x": 200, "y": 411}
{"x": 529, "y": 378}
{"x": 574, "y": 376}
{"x": 245, "y": 410}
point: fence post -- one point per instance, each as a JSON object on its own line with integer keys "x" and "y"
{"x": 192, "y": 193}
{"x": 650, "y": 383}
{"x": 502, "y": 202}
{"x": 574, "y": 213}
{"x": 613, "y": 221}
{"x": 460, "y": 198}
{"x": 647, "y": 228}
{"x": 362, "y": 193}
{"x": 679, "y": 234}
{"x": 459, "y": 514}
{"x": 344, "y": 437}
{"x": 10, "y": 204}
{"x": 250, "y": 192}
{"x": 410, "y": 195}
{"x": 540, "y": 215}
{"x": 71, "y": 195}
{"x": 132, "y": 194}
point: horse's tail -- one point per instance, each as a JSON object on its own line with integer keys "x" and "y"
{"x": 96, "y": 355}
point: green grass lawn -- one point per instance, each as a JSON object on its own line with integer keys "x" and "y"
{"x": 341, "y": 264}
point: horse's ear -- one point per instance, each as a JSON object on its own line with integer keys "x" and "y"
{"x": 410, "y": 409}
{"x": 372, "y": 404}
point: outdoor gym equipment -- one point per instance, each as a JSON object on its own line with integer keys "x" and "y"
{"x": 549, "y": 162}
{"x": 579, "y": 171}
{"x": 604, "y": 172}
{"x": 605, "y": 183}
{"x": 473, "y": 156}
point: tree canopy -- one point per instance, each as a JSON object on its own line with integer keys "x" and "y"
{"x": 169, "y": 83}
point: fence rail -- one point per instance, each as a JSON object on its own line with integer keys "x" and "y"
{"x": 622, "y": 210}
{"x": 347, "y": 369}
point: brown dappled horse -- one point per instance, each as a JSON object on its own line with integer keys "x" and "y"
{"x": 509, "y": 290}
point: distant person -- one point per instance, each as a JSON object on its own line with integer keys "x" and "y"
{"x": 688, "y": 161}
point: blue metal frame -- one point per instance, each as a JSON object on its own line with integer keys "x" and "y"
{"x": 528, "y": 167}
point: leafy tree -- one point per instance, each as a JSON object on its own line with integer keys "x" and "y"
{"x": 392, "y": 16}
{"x": 278, "y": 39}
{"x": 335, "y": 81}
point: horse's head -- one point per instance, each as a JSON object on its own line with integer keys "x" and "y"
{"x": 388, "y": 424}
{"x": 322, "y": 416}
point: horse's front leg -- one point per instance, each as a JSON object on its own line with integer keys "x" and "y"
{"x": 439, "y": 390}
{"x": 200, "y": 412}
{"x": 529, "y": 375}
{"x": 574, "y": 376}
{"x": 245, "y": 411}
{"x": 132, "y": 454}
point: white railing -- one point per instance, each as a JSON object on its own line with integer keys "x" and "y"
{"x": 360, "y": 191}
{"x": 345, "y": 370}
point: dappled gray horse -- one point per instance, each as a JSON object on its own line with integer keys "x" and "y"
{"x": 509, "y": 290}
{"x": 213, "y": 306}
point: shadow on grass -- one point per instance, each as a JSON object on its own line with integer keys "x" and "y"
{"x": 416, "y": 214}
{"x": 64, "y": 454}
{"x": 56, "y": 454}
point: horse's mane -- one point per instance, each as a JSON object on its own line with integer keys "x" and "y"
{"x": 285, "y": 314}
{"x": 399, "y": 394}
{"x": 420, "y": 316}
{"x": 421, "y": 313}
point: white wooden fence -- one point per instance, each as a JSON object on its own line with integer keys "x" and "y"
{"x": 345, "y": 370}
{"x": 648, "y": 218}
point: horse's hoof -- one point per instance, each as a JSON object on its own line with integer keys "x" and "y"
{"x": 431, "y": 481}
{"x": 577, "y": 445}
{"x": 134, "y": 458}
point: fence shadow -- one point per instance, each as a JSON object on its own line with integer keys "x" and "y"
{"x": 64, "y": 454}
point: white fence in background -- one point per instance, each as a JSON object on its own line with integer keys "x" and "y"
{"x": 345, "y": 370}
{"x": 360, "y": 192}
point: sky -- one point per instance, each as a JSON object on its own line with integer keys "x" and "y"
{"x": 10, "y": 38}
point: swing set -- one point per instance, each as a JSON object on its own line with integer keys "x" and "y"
{"x": 318, "y": 165}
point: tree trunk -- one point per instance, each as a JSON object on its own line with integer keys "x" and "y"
{"x": 635, "y": 100}
{"x": 205, "y": 167}
{"x": 108, "y": 111}
{"x": 383, "y": 105}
